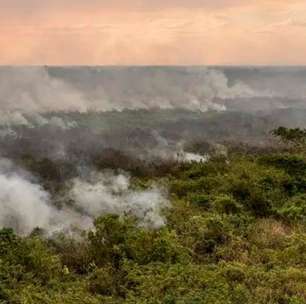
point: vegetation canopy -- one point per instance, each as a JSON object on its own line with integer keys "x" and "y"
{"x": 235, "y": 233}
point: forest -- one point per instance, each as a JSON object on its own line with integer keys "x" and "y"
{"x": 233, "y": 231}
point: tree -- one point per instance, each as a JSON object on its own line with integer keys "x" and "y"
{"x": 295, "y": 137}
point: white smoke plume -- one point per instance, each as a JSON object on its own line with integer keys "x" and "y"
{"x": 174, "y": 151}
{"x": 25, "y": 205}
{"x": 107, "y": 193}
{"x": 54, "y": 121}
{"x": 34, "y": 90}
{"x": 216, "y": 85}
{"x": 188, "y": 157}
{"x": 9, "y": 120}
{"x": 8, "y": 132}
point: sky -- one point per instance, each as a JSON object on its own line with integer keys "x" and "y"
{"x": 152, "y": 32}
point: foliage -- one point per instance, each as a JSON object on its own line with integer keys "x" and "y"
{"x": 295, "y": 136}
{"x": 236, "y": 233}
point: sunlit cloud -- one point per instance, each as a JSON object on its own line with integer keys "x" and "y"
{"x": 152, "y": 32}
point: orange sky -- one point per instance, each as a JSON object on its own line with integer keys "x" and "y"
{"x": 155, "y": 32}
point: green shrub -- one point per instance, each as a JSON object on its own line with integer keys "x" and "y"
{"x": 199, "y": 199}
{"x": 235, "y": 234}
{"x": 294, "y": 209}
{"x": 226, "y": 204}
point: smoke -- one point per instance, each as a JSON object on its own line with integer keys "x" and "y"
{"x": 107, "y": 193}
{"x": 188, "y": 157}
{"x": 216, "y": 85}
{"x": 25, "y": 205}
{"x": 10, "y": 120}
{"x": 54, "y": 121}
{"x": 173, "y": 151}
{"x": 32, "y": 90}
{"x": 40, "y": 90}
{"x": 8, "y": 132}
{"x": 35, "y": 105}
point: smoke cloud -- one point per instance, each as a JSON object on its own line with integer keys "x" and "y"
{"x": 25, "y": 205}
{"x": 28, "y": 90}
{"x": 32, "y": 90}
{"x": 108, "y": 193}
{"x": 173, "y": 151}
{"x": 10, "y": 119}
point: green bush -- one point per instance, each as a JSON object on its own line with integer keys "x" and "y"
{"x": 199, "y": 199}
{"x": 226, "y": 204}
{"x": 235, "y": 233}
{"x": 294, "y": 209}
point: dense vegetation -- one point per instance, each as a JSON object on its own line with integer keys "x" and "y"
{"x": 235, "y": 233}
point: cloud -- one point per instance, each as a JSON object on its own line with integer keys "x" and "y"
{"x": 37, "y": 5}
{"x": 106, "y": 32}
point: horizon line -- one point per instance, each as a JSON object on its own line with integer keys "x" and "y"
{"x": 157, "y": 65}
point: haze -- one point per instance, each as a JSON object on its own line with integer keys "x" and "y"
{"x": 170, "y": 32}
